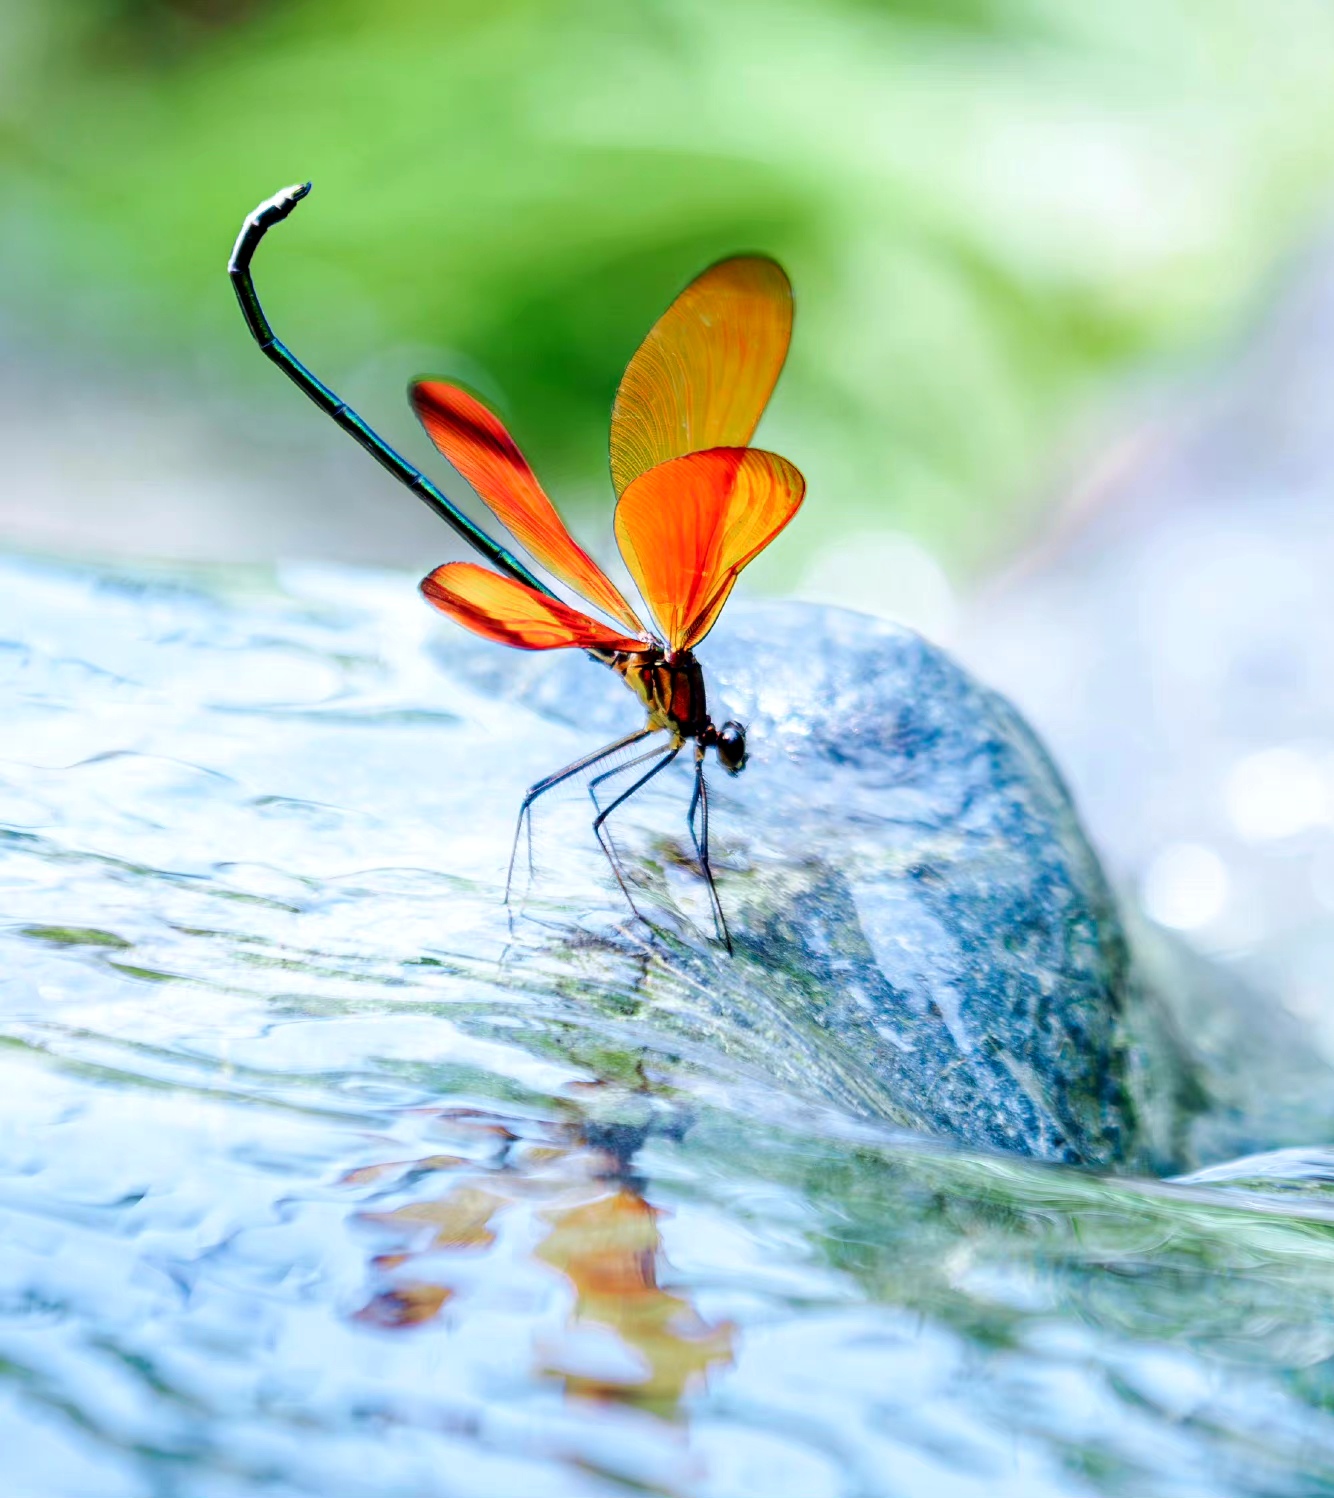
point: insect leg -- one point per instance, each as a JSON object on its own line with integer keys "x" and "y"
{"x": 671, "y": 751}
{"x": 550, "y": 783}
{"x": 597, "y": 780}
{"x": 639, "y": 759}
{"x": 699, "y": 801}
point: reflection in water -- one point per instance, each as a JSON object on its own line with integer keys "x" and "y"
{"x": 610, "y": 1250}
{"x": 626, "y": 1338}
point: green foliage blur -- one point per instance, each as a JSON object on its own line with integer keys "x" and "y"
{"x": 993, "y": 210}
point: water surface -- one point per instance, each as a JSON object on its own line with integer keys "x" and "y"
{"x": 317, "y": 1179}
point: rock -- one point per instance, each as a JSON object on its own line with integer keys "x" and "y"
{"x": 921, "y": 930}
{"x": 1171, "y": 641}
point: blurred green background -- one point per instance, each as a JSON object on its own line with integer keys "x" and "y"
{"x": 1000, "y": 217}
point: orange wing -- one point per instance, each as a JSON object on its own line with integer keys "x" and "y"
{"x": 704, "y": 374}
{"x": 687, "y": 528}
{"x": 475, "y": 441}
{"x": 498, "y": 608}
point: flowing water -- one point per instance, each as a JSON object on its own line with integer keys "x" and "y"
{"x": 318, "y": 1178}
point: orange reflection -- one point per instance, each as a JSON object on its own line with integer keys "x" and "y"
{"x": 600, "y": 1234}
{"x": 609, "y": 1249}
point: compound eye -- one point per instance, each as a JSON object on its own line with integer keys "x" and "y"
{"x": 732, "y": 747}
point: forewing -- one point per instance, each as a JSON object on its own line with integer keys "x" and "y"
{"x": 498, "y": 608}
{"x": 475, "y": 441}
{"x": 687, "y": 527}
{"x": 703, "y": 376}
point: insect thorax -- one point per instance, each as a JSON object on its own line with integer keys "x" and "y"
{"x": 672, "y": 691}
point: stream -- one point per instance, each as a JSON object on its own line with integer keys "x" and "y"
{"x": 320, "y": 1176}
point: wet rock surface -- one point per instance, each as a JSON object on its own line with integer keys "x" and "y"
{"x": 920, "y": 927}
